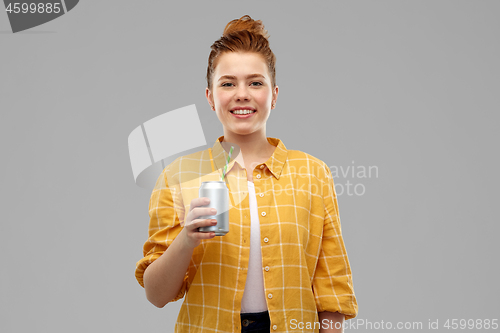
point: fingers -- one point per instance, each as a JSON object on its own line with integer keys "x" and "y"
{"x": 202, "y": 235}
{"x": 192, "y": 222}
{"x": 193, "y": 231}
{"x": 197, "y": 202}
{"x": 197, "y": 209}
{"x": 195, "y": 224}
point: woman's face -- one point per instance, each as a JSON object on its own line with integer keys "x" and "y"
{"x": 241, "y": 82}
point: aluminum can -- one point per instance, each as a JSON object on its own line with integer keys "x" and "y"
{"x": 218, "y": 194}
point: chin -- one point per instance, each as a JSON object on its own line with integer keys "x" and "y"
{"x": 242, "y": 131}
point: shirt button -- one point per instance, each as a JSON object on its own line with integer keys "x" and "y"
{"x": 266, "y": 240}
{"x": 263, "y": 213}
{"x": 262, "y": 166}
{"x": 258, "y": 176}
{"x": 270, "y": 296}
{"x": 275, "y": 327}
{"x": 261, "y": 195}
{"x": 266, "y": 268}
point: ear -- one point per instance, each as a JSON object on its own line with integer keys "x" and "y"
{"x": 210, "y": 98}
{"x": 275, "y": 96}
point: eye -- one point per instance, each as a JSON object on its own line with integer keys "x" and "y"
{"x": 226, "y": 84}
{"x": 257, "y": 83}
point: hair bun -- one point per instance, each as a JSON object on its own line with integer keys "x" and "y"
{"x": 245, "y": 23}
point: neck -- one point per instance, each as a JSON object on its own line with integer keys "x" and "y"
{"x": 254, "y": 144}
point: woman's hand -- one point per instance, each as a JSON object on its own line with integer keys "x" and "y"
{"x": 190, "y": 233}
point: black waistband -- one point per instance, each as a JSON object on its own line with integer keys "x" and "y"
{"x": 255, "y": 322}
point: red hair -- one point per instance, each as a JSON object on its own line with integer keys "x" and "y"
{"x": 242, "y": 35}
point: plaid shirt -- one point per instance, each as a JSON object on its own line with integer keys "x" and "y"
{"x": 304, "y": 260}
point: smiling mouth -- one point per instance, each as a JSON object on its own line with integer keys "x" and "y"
{"x": 242, "y": 112}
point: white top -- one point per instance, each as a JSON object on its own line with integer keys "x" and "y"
{"x": 254, "y": 299}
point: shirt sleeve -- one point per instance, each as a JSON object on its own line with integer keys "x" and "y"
{"x": 165, "y": 212}
{"x": 332, "y": 282}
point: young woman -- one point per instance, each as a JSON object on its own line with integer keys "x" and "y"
{"x": 283, "y": 266}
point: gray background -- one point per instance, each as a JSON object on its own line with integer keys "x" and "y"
{"x": 409, "y": 87}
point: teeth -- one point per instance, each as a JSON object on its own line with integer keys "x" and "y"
{"x": 242, "y": 111}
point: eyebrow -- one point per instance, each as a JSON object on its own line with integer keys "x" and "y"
{"x": 232, "y": 77}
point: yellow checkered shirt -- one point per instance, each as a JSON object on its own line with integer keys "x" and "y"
{"x": 304, "y": 260}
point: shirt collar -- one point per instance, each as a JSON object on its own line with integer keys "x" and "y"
{"x": 275, "y": 163}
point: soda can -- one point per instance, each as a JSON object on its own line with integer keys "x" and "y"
{"x": 218, "y": 193}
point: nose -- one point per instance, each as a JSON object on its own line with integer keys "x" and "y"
{"x": 242, "y": 93}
